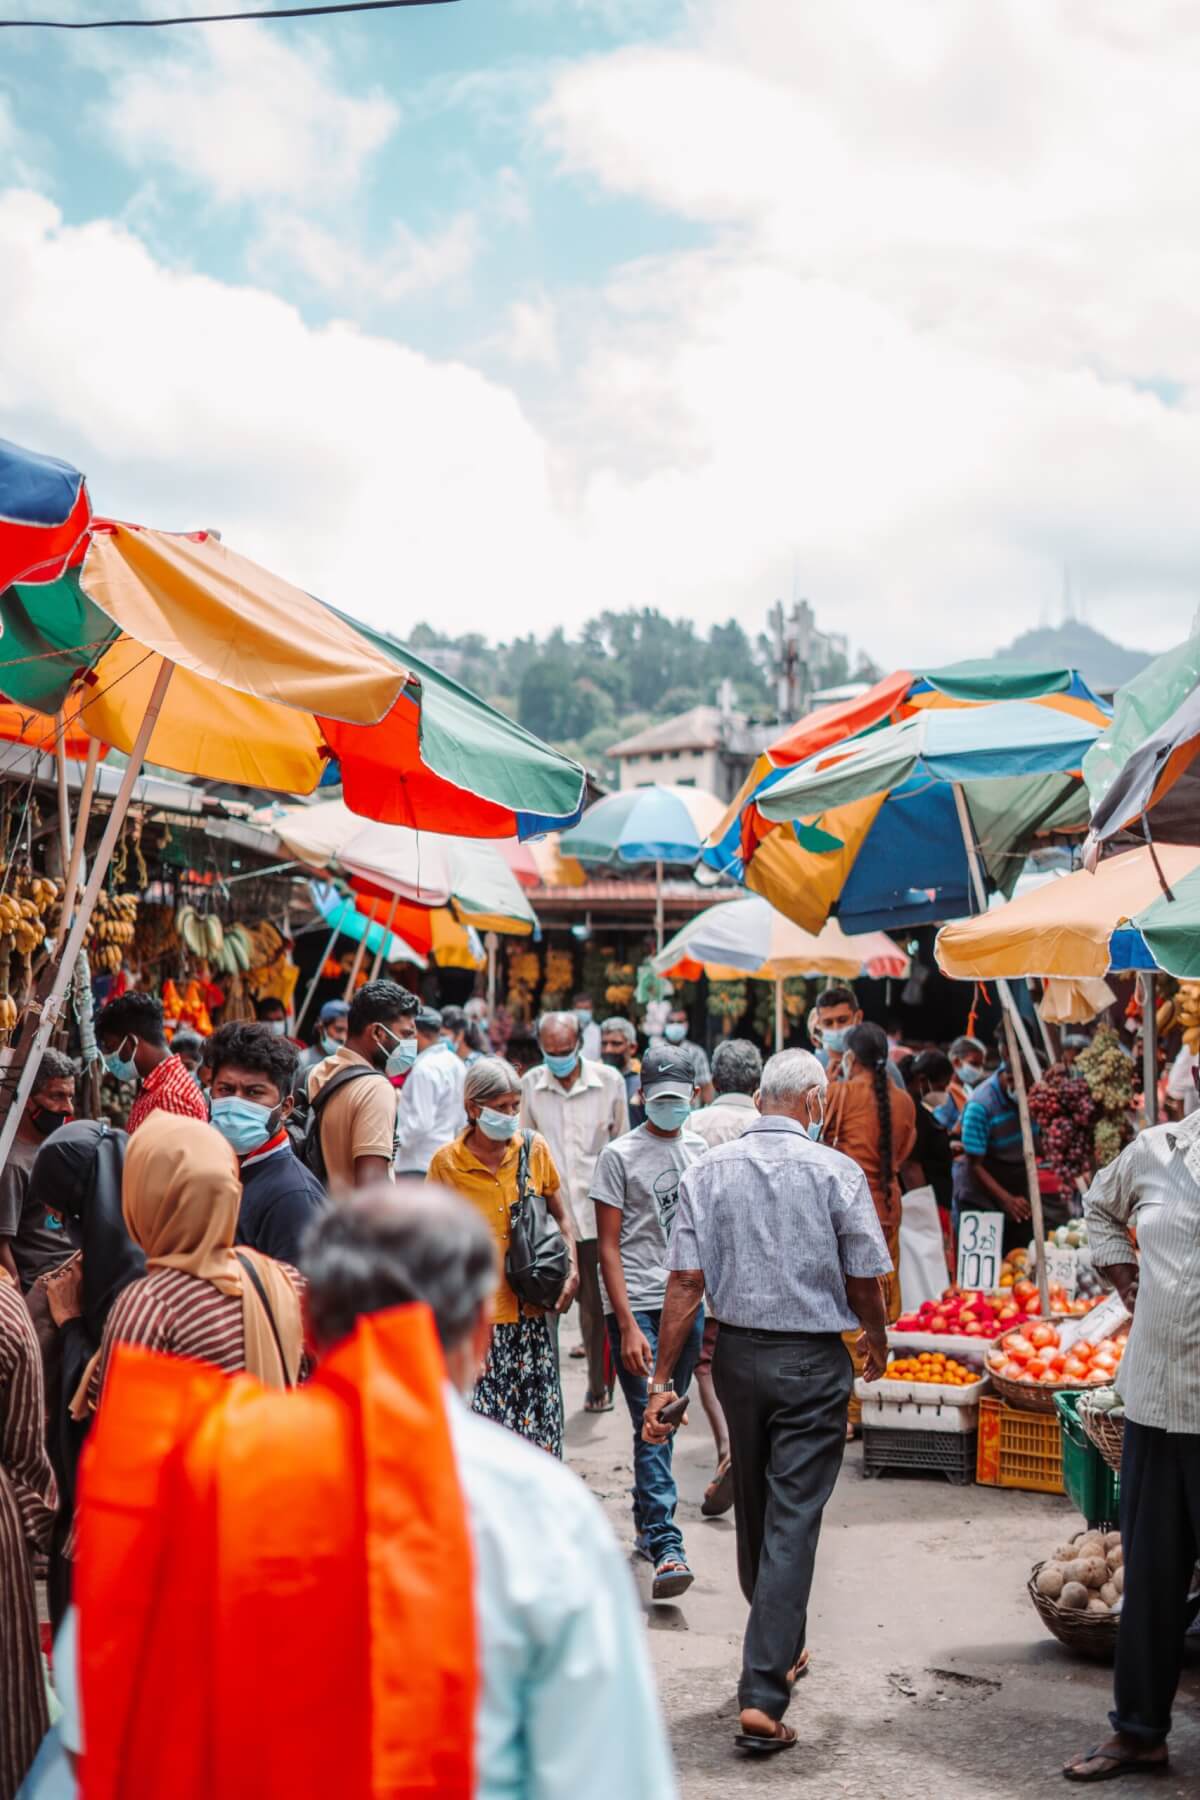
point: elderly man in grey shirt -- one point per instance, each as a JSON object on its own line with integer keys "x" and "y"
{"x": 783, "y": 1233}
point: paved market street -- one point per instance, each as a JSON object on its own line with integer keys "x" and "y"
{"x": 932, "y": 1675}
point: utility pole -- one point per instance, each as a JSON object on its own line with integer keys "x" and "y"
{"x": 792, "y": 639}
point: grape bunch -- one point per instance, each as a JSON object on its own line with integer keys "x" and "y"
{"x": 1064, "y": 1108}
{"x": 1108, "y": 1073}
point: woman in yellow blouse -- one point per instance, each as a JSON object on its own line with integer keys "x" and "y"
{"x": 519, "y": 1386}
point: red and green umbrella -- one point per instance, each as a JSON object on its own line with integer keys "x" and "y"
{"x": 1145, "y": 770}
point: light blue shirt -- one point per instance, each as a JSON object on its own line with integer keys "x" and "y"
{"x": 567, "y": 1703}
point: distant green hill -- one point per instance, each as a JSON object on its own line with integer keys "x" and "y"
{"x": 1075, "y": 645}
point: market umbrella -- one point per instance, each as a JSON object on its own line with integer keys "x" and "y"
{"x": 652, "y": 824}
{"x": 736, "y": 938}
{"x": 1088, "y": 925}
{"x": 1145, "y": 770}
{"x": 539, "y": 862}
{"x": 44, "y": 512}
{"x": 338, "y": 909}
{"x": 794, "y": 868}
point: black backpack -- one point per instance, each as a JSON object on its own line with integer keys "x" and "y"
{"x": 304, "y": 1125}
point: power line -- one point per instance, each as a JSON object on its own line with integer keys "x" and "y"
{"x": 276, "y": 12}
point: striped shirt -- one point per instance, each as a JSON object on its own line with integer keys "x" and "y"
{"x": 26, "y": 1514}
{"x": 168, "y": 1088}
{"x": 1153, "y": 1187}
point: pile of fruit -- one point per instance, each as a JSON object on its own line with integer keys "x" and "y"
{"x": 940, "y": 1371}
{"x": 1064, "y": 1107}
{"x": 961, "y": 1313}
{"x": 111, "y": 930}
{"x": 1086, "y": 1575}
{"x": 1109, "y": 1074}
{"x": 1035, "y": 1355}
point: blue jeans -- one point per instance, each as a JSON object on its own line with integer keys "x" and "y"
{"x": 654, "y": 1494}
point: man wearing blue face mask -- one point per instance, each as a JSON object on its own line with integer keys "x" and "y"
{"x": 635, "y": 1187}
{"x": 252, "y": 1096}
{"x": 837, "y": 1013}
{"x": 357, "y": 1119}
{"x": 675, "y": 1031}
{"x": 133, "y": 1043}
{"x": 332, "y": 1027}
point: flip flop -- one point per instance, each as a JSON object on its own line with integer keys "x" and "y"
{"x": 598, "y": 1403}
{"x": 671, "y": 1578}
{"x": 759, "y": 1744}
{"x": 1118, "y": 1765}
{"x": 799, "y": 1668}
{"x": 577, "y": 1352}
{"x": 718, "y": 1495}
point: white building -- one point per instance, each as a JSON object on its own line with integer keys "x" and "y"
{"x": 704, "y": 747}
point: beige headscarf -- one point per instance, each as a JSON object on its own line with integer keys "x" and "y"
{"x": 180, "y": 1196}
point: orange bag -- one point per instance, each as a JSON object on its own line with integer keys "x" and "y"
{"x": 274, "y": 1588}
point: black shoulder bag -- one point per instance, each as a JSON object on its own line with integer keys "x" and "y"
{"x": 538, "y": 1260}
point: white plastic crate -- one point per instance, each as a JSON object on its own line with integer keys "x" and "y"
{"x": 924, "y": 1393}
{"x": 908, "y": 1415}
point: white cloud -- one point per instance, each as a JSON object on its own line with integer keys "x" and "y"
{"x": 407, "y": 264}
{"x": 248, "y": 116}
{"x": 530, "y": 334}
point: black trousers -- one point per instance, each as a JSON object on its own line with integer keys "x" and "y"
{"x": 785, "y": 1398}
{"x": 1160, "y": 1537}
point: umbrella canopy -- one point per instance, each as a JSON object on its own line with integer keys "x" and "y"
{"x": 44, "y": 512}
{"x": 1146, "y": 767}
{"x": 539, "y": 862}
{"x": 339, "y": 909}
{"x": 748, "y": 937}
{"x": 799, "y": 870}
{"x": 419, "y": 870}
{"x": 1086, "y": 925}
{"x": 272, "y": 688}
{"x": 644, "y": 825}
{"x": 878, "y": 816}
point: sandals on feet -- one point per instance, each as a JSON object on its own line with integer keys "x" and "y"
{"x": 718, "y": 1495}
{"x": 598, "y": 1403}
{"x": 1117, "y": 1765}
{"x": 671, "y": 1578}
{"x": 761, "y": 1743}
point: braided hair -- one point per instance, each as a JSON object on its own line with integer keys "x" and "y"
{"x": 868, "y": 1045}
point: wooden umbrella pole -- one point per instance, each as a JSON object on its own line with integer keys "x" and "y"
{"x": 82, "y": 820}
{"x": 1149, "y": 1048}
{"x": 779, "y": 1012}
{"x": 356, "y": 965}
{"x": 57, "y": 975}
{"x": 326, "y": 953}
{"x": 658, "y": 905}
{"x": 492, "y": 947}
{"x": 384, "y": 940}
{"x": 60, "y": 782}
{"x": 1008, "y": 1010}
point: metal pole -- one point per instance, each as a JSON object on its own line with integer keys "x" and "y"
{"x": 384, "y": 940}
{"x": 1008, "y": 1008}
{"x": 59, "y": 972}
{"x": 356, "y": 965}
{"x": 779, "y": 1012}
{"x": 658, "y": 904}
{"x": 326, "y": 953}
{"x": 1149, "y": 1048}
{"x": 82, "y": 818}
{"x": 492, "y": 947}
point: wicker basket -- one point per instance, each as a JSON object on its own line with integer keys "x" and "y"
{"x": 1107, "y": 1433}
{"x": 1033, "y": 1396}
{"x": 1089, "y": 1634}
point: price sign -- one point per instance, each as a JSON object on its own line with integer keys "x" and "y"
{"x": 980, "y": 1235}
{"x": 1062, "y": 1270}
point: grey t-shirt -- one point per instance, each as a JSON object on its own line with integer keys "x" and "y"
{"x": 639, "y": 1174}
{"x": 39, "y": 1240}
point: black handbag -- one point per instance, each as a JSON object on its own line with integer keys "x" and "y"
{"x": 538, "y": 1260}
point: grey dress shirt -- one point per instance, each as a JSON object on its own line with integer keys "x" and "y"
{"x": 776, "y": 1223}
{"x": 1154, "y": 1186}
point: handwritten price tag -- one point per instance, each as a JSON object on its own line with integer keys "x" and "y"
{"x": 980, "y": 1235}
{"x": 1062, "y": 1270}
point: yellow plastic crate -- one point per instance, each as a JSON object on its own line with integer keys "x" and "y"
{"x": 1019, "y": 1449}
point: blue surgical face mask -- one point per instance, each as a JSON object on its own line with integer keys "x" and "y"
{"x": 834, "y": 1038}
{"x": 969, "y": 1074}
{"x": 402, "y": 1057}
{"x": 667, "y": 1111}
{"x": 816, "y": 1126}
{"x": 561, "y": 1066}
{"x": 584, "y": 1015}
{"x": 329, "y": 1045}
{"x": 497, "y": 1125}
{"x": 277, "y": 1027}
{"x": 675, "y": 1033}
{"x": 121, "y": 1067}
{"x": 244, "y": 1123}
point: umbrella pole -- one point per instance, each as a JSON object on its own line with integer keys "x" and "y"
{"x": 1047, "y": 1041}
{"x": 326, "y": 953}
{"x": 82, "y": 819}
{"x": 384, "y": 941}
{"x": 779, "y": 1012}
{"x": 658, "y": 905}
{"x": 1008, "y": 1009}
{"x": 355, "y": 966}
{"x": 60, "y": 782}
{"x": 56, "y": 978}
{"x": 491, "y": 974}
{"x": 1149, "y": 1048}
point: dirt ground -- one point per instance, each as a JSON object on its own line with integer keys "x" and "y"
{"x": 932, "y": 1675}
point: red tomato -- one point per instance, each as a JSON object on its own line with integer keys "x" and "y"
{"x": 1074, "y": 1370}
{"x": 1035, "y": 1368}
{"x": 1054, "y": 1359}
{"x": 1019, "y": 1347}
{"x": 1041, "y": 1336}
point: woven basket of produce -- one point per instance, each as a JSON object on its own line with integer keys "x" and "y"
{"x": 1103, "y": 1418}
{"x": 1029, "y": 1366}
{"x": 1078, "y": 1592}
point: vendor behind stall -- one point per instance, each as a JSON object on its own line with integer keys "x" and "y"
{"x": 990, "y": 1175}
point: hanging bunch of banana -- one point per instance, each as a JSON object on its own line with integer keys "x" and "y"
{"x": 111, "y": 930}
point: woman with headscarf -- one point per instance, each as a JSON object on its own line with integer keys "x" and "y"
{"x": 26, "y": 1513}
{"x": 77, "y": 1174}
{"x": 200, "y": 1297}
{"x": 872, "y": 1121}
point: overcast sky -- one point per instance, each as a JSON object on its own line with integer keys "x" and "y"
{"x": 496, "y": 313}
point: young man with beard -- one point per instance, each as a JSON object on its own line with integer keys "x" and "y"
{"x": 357, "y": 1119}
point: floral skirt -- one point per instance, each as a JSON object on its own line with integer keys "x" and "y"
{"x": 519, "y": 1386}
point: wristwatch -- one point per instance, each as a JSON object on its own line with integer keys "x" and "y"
{"x": 662, "y": 1387}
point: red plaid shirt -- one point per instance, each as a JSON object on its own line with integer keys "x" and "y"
{"x": 169, "y": 1088}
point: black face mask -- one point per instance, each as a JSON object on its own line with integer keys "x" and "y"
{"x": 614, "y": 1059}
{"x": 44, "y": 1121}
